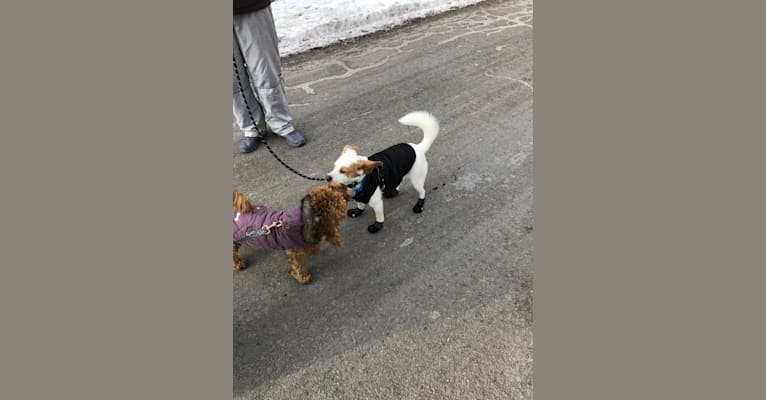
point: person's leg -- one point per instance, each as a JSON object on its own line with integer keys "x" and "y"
{"x": 247, "y": 112}
{"x": 258, "y": 41}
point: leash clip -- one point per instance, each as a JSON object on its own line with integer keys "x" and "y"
{"x": 267, "y": 228}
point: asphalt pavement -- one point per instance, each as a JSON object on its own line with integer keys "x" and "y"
{"x": 437, "y": 305}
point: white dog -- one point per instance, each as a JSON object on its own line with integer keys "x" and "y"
{"x": 381, "y": 174}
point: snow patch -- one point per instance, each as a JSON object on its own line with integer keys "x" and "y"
{"x": 302, "y": 26}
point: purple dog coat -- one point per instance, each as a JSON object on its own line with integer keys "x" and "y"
{"x": 288, "y": 236}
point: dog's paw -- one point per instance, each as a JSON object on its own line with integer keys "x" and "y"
{"x": 354, "y": 212}
{"x": 375, "y": 228}
{"x": 390, "y": 194}
{"x": 239, "y": 265}
{"x": 304, "y": 278}
{"x": 418, "y": 208}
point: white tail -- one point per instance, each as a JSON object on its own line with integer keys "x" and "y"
{"x": 427, "y": 123}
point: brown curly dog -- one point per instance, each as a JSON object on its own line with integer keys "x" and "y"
{"x": 298, "y": 231}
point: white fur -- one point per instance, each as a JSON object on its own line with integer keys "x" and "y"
{"x": 417, "y": 175}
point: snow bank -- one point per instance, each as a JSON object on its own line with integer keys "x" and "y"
{"x": 303, "y": 25}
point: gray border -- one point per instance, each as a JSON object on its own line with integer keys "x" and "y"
{"x": 648, "y": 198}
{"x": 649, "y": 192}
{"x": 116, "y": 172}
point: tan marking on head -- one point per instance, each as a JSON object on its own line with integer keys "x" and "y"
{"x": 351, "y": 171}
{"x": 364, "y": 167}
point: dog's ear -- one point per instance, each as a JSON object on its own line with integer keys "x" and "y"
{"x": 364, "y": 167}
{"x": 347, "y": 194}
{"x": 348, "y": 147}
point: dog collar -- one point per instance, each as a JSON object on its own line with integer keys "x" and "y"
{"x": 357, "y": 186}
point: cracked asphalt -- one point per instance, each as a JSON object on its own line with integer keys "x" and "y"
{"x": 437, "y": 305}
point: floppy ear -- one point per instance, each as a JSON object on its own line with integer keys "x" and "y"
{"x": 366, "y": 166}
{"x": 349, "y": 147}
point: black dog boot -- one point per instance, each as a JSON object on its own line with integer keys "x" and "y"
{"x": 419, "y": 206}
{"x": 375, "y": 228}
{"x": 354, "y": 212}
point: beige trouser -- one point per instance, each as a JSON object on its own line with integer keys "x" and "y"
{"x": 256, "y": 56}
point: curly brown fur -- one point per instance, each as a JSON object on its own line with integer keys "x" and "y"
{"x": 298, "y": 265}
{"x": 328, "y": 204}
{"x": 242, "y": 204}
{"x": 239, "y": 263}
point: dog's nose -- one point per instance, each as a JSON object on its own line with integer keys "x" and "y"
{"x": 328, "y": 178}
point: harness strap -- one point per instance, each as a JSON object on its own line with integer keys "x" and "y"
{"x": 381, "y": 179}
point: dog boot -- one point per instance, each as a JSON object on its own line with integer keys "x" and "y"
{"x": 418, "y": 208}
{"x": 375, "y": 228}
{"x": 354, "y": 212}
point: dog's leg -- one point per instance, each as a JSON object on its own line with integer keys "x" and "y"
{"x": 239, "y": 262}
{"x": 376, "y": 202}
{"x": 298, "y": 268}
{"x": 391, "y": 193}
{"x": 418, "y": 180}
{"x": 395, "y": 192}
{"x": 313, "y": 250}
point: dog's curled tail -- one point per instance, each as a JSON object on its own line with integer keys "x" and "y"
{"x": 427, "y": 123}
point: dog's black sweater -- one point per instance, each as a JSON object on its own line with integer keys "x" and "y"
{"x": 397, "y": 161}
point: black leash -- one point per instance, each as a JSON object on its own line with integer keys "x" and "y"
{"x": 260, "y": 135}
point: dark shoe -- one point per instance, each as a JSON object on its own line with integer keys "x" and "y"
{"x": 248, "y": 144}
{"x": 295, "y": 139}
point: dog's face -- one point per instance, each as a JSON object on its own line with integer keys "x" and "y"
{"x": 340, "y": 188}
{"x": 350, "y": 167}
{"x": 331, "y": 195}
{"x": 329, "y": 203}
